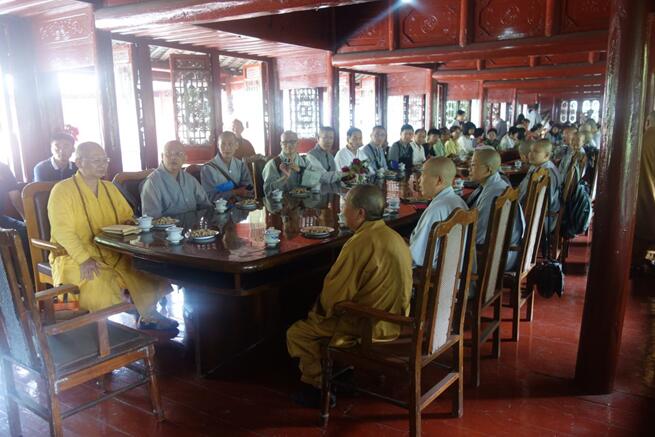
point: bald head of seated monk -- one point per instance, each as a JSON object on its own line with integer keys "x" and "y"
{"x": 363, "y": 203}
{"x": 436, "y": 183}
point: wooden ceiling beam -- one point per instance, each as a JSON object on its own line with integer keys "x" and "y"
{"x": 538, "y": 84}
{"x": 540, "y": 46}
{"x": 203, "y": 11}
{"x": 519, "y": 72}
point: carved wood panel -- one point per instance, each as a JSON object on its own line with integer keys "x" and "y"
{"x": 462, "y": 91}
{"x": 458, "y": 65}
{"x": 304, "y": 72}
{"x": 508, "y": 62}
{"x": 430, "y": 24}
{"x": 65, "y": 40}
{"x": 565, "y": 58}
{"x": 361, "y": 29}
{"x": 404, "y": 84}
{"x": 584, "y": 15}
{"x": 509, "y": 19}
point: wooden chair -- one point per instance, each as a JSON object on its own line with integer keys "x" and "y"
{"x": 536, "y": 207}
{"x": 489, "y": 286}
{"x": 256, "y": 170}
{"x": 129, "y": 184}
{"x": 435, "y": 325}
{"x": 559, "y": 244}
{"x": 65, "y": 354}
{"x": 194, "y": 170}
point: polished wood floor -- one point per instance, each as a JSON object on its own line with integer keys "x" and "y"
{"x": 528, "y": 392}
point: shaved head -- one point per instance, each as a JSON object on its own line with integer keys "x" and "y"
{"x": 173, "y": 146}
{"x": 444, "y": 167}
{"x": 543, "y": 145}
{"x": 489, "y": 157}
{"x": 369, "y": 198}
{"x": 87, "y": 149}
{"x": 226, "y": 135}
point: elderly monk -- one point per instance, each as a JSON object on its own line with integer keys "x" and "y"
{"x": 288, "y": 170}
{"x": 573, "y": 151}
{"x": 436, "y": 183}
{"x": 373, "y": 269}
{"x": 78, "y": 209}
{"x": 320, "y": 157}
{"x": 539, "y": 157}
{"x": 169, "y": 190}
{"x": 645, "y": 226}
{"x": 373, "y": 152}
{"x": 226, "y": 176}
{"x": 484, "y": 170}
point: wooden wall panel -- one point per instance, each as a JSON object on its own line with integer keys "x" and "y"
{"x": 462, "y": 91}
{"x": 565, "y": 58}
{"x": 65, "y": 40}
{"x": 362, "y": 29}
{"x": 527, "y": 98}
{"x": 459, "y": 65}
{"x": 584, "y": 15}
{"x": 496, "y": 95}
{"x": 508, "y": 19}
{"x": 512, "y": 61}
{"x": 406, "y": 84}
{"x": 304, "y": 71}
{"x": 431, "y": 24}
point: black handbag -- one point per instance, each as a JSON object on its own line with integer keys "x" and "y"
{"x": 547, "y": 275}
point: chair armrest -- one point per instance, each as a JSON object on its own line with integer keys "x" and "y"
{"x": 54, "y": 248}
{"x": 52, "y": 292}
{"x": 372, "y": 313}
{"x": 87, "y": 319}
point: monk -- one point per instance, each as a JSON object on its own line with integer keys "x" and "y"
{"x": 320, "y": 158}
{"x": 78, "y": 209}
{"x": 539, "y": 157}
{"x": 169, "y": 190}
{"x": 485, "y": 166}
{"x": 373, "y": 152}
{"x": 436, "y": 183}
{"x": 288, "y": 170}
{"x": 226, "y": 176}
{"x": 645, "y": 226}
{"x": 573, "y": 150}
{"x": 245, "y": 149}
{"x": 374, "y": 269}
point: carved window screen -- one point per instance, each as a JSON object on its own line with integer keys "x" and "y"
{"x": 192, "y": 87}
{"x": 305, "y": 111}
{"x": 415, "y": 110}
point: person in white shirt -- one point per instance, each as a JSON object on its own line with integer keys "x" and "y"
{"x": 509, "y": 141}
{"x": 465, "y": 142}
{"x": 533, "y": 116}
{"x": 418, "y": 152}
{"x": 346, "y": 155}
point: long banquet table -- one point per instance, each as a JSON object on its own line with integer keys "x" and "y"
{"x": 238, "y": 291}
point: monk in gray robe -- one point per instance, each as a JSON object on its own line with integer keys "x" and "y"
{"x": 320, "y": 158}
{"x": 484, "y": 170}
{"x": 436, "y": 183}
{"x": 226, "y": 176}
{"x": 288, "y": 170}
{"x": 169, "y": 190}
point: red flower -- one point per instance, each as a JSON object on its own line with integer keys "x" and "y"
{"x": 356, "y": 161}
{"x": 345, "y": 169}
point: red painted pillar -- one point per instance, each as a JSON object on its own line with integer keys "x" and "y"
{"x": 607, "y": 286}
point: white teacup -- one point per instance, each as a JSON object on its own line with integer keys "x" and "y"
{"x": 221, "y": 205}
{"x": 380, "y": 172}
{"x": 401, "y": 166}
{"x": 276, "y": 194}
{"x": 459, "y": 183}
{"x": 316, "y": 188}
{"x": 144, "y": 222}
{"x": 518, "y": 163}
{"x": 271, "y": 240}
{"x": 174, "y": 234}
{"x": 394, "y": 203}
{"x": 272, "y": 232}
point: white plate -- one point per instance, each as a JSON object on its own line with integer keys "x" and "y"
{"x": 164, "y": 226}
{"x": 247, "y": 207}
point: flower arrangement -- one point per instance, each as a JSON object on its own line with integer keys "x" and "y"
{"x": 72, "y": 131}
{"x": 357, "y": 170}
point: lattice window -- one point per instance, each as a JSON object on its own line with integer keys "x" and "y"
{"x": 305, "y": 111}
{"x": 591, "y": 109}
{"x": 415, "y": 110}
{"x": 191, "y": 77}
{"x": 452, "y": 106}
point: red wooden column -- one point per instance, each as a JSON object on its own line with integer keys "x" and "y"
{"x": 145, "y": 104}
{"x": 613, "y": 227}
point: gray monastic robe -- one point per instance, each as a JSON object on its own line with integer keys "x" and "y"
{"x": 211, "y": 177}
{"x": 164, "y": 195}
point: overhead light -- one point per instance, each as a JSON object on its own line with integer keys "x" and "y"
{"x": 406, "y": 1}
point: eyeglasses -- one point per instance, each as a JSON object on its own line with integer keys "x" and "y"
{"x": 99, "y": 161}
{"x": 290, "y": 142}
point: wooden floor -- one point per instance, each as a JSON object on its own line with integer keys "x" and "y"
{"x": 529, "y": 391}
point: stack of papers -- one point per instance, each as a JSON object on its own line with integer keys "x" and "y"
{"x": 121, "y": 229}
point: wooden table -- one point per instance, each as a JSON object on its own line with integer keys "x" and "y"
{"x": 236, "y": 287}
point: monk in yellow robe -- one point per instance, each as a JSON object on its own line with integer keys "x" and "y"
{"x": 374, "y": 269}
{"x": 645, "y": 226}
{"x": 78, "y": 208}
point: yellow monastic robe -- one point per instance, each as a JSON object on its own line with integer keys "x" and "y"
{"x": 76, "y": 215}
{"x": 373, "y": 269}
